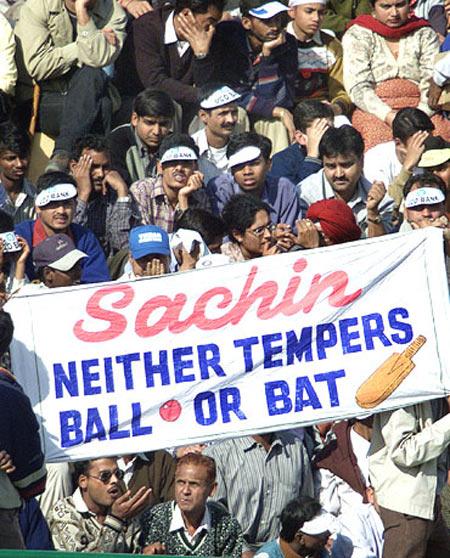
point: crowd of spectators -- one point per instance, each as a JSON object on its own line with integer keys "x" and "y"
{"x": 196, "y": 133}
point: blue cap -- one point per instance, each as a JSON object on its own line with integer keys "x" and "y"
{"x": 148, "y": 239}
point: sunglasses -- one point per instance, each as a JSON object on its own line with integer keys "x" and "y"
{"x": 105, "y": 476}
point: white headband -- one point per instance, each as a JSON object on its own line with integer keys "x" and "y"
{"x": 179, "y": 153}
{"x": 323, "y": 522}
{"x": 424, "y": 196}
{"x": 295, "y": 3}
{"x": 219, "y": 98}
{"x": 268, "y": 10}
{"x": 56, "y": 193}
{"x": 244, "y": 155}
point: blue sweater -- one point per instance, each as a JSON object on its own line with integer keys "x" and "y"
{"x": 94, "y": 268}
{"x": 292, "y": 163}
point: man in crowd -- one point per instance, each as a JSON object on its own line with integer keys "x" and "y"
{"x": 98, "y": 516}
{"x": 262, "y": 67}
{"x": 179, "y": 184}
{"x": 67, "y": 47}
{"x": 256, "y": 477}
{"x": 192, "y": 525}
{"x": 16, "y": 191}
{"x": 305, "y": 531}
{"x": 249, "y": 161}
{"x": 149, "y": 253}
{"x": 134, "y": 146}
{"x": 103, "y": 203}
{"x": 55, "y": 207}
{"x": 342, "y": 153}
{"x": 19, "y": 435}
{"x": 436, "y": 159}
{"x": 219, "y": 114}
{"x": 171, "y": 48}
{"x": 319, "y": 57}
{"x": 393, "y": 162}
{"x": 311, "y": 119}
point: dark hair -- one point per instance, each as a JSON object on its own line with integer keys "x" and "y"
{"x": 408, "y": 121}
{"x": 341, "y": 141}
{"x": 177, "y": 140}
{"x": 295, "y": 514}
{"x": 238, "y": 141}
{"x": 6, "y": 222}
{"x": 199, "y": 460}
{"x": 49, "y": 179}
{"x": 14, "y": 139}
{"x": 152, "y": 102}
{"x": 6, "y": 331}
{"x": 208, "y": 225}
{"x": 198, "y": 6}
{"x": 89, "y": 141}
{"x": 240, "y": 211}
{"x": 427, "y": 179}
{"x": 435, "y": 142}
{"x": 307, "y": 111}
{"x": 82, "y": 467}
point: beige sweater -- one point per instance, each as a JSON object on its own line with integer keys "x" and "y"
{"x": 368, "y": 62}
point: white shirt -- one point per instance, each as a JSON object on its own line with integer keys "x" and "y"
{"x": 361, "y": 448}
{"x": 363, "y": 526}
{"x": 381, "y": 163}
{"x": 177, "y": 523}
{"x": 215, "y": 155}
{"x": 170, "y": 36}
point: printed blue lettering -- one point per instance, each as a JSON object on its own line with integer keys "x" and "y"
{"x": 406, "y": 329}
{"x": 330, "y": 378}
{"x": 94, "y": 426}
{"x": 347, "y": 336}
{"x": 209, "y": 361}
{"x": 69, "y": 382}
{"x": 230, "y": 402}
{"x": 151, "y": 369}
{"x": 207, "y": 416}
{"x": 373, "y": 330}
{"x": 277, "y": 398}
{"x": 299, "y": 346}
{"x": 136, "y": 428}
{"x": 126, "y": 361}
{"x": 326, "y": 338}
{"x": 109, "y": 376}
{"x": 180, "y": 365}
{"x": 114, "y": 432}
{"x": 71, "y": 433}
{"x": 304, "y": 385}
{"x": 270, "y": 351}
{"x": 90, "y": 376}
{"x": 246, "y": 344}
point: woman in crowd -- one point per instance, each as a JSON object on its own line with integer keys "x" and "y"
{"x": 388, "y": 62}
{"x": 250, "y": 230}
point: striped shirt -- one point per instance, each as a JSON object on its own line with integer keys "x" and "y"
{"x": 255, "y": 484}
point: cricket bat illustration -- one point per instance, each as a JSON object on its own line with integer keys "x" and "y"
{"x": 387, "y": 377}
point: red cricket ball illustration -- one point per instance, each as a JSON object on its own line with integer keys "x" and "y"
{"x": 170, "y": 410}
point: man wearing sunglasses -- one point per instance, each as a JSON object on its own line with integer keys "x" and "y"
{"x": 98, "y": 517}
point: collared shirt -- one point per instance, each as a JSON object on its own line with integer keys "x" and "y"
{"x": 170, "y": 36}
{"x": 148, "y": 161}
{"x": 216, "y": 156}
{"x": 178, "y": 524}
{"x": 23, "y": 206}
{"x": 255, "y": 484}
{"x": 316, "y": 187}
{"x": 154, "y": 205}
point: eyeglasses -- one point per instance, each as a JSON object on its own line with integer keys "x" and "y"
{"x": 259, "y": 231}
{"x": 105, "y": 476}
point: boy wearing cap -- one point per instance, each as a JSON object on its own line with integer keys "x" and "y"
{"x": 249, "y": 160}
{"x": 179, "y": 184}
{"x": 320, "y": 73}
{"x": 55, "y": 206}
{"x": 259, "y": 61}
{"x": 57, "y": 262}
{"x": 149, "y": 253}
{"x": 219, "y": 114}
{"x": 436, "y": 159}
{"x": 311, "y": 119}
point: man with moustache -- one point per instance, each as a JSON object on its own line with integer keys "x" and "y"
{"x": 342, "y": 152}
{"x": 103, "y": 203}
{"x": 98, "y": 516}
{"x": 219, "y": 114}
{"x": 179, "y": 184}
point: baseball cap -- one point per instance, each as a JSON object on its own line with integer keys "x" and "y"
{"x": 268, "y": 10}
{"x": 148, "y": 239}
{"x": 437, "y": 152}
{"x": 58, "y": 252}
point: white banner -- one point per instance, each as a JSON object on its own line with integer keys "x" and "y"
{"x": 263, "y": 345}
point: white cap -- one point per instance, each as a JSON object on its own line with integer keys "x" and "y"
{"x": 424, "y": 196}
{"x": 244, "y": 155}
{"x": 295, "y": 3}
{"x": 319, "y": 524}
{"x": 268, "y": 10}
{"x": 219, "y": 98}
{"x": 56, "y": 193}
{"x": 179, "y": 153}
